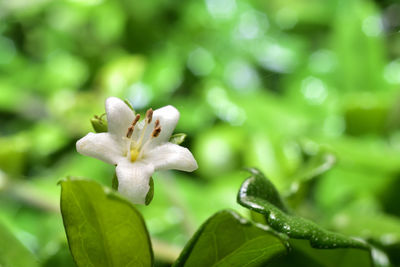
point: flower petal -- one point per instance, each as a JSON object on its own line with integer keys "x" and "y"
{"x": 171, "y": 156}
{"x": 101, "y": 146}
{"x": 119, "y": 116}
{"x": 133, "y": 180}
{"x": 168, "y": 117}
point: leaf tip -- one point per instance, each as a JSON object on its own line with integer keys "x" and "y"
{"x": 253, "y": 170}
{"x": 64, "y": 179}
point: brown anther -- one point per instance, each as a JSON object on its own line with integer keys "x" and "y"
{"x": 130, "y": 131}
{"x": 136, "y": 120}
{"x": 156, "y": 131}
{"x": 157, "y": 123}
{"x": 132, "y": 127}
{"x": 149, "y": 115}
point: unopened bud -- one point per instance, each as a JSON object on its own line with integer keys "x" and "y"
{"x": 177, "y": 138}
{"x": 99, "y": 124}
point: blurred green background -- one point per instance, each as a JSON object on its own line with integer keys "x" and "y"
{"x": 268, "y": 84}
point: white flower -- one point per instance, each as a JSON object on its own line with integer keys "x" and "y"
{"x": 138, "y": 149}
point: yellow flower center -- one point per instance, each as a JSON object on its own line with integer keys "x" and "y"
{"x": 134, "y": 154}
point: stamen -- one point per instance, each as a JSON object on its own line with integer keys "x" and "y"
{"x": 130, "y": 132}
{"x": 132, "y": 127}
{"x": 136, "y": 119}
{"x": 136, "y": 147}
{"x": 156, "y": 131}
{"x": 149, "y": 115}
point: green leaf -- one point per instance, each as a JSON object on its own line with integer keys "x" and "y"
{"x": 258, "y": 194}
{"x": 226, "y": 239}
{"x": 177, "y": 138}
{"x": 103, "y": 229}
{"x": 12, "y": 252}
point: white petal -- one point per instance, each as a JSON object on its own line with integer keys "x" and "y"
{"x": 119, "y": 116}
{"x": 133, "y": 179}
{"x": 171, "y": 156}
{"x": 101, "y": 146}
{"x": 168, "y": 117}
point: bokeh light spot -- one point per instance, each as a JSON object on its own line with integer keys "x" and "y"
{"x": 372, "y": 26}
{"x": 251, "y": 26}
{"x": 392, "y": 72}
{"x": 322, "y": 61}
{"x": 140, "y": 95}
{"x": 314, "y": 90}
{"x": 286, "y": 18}
{"x": 221, "y": 8}
{"x": 200, "y": 62}
{"x": 242, "y": 76}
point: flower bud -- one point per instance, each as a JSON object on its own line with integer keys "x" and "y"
{"x": 177, "y": 138}
{"x": 99, "y": 124}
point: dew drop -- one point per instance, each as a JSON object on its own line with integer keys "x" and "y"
{"x": 286, "y": 227}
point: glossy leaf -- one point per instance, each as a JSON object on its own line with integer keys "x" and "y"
{"x": 226, "y": 239}
{"x": 12, "y": 252}
{"x": 258, "y": 194}
{"x": 103, "y": 229}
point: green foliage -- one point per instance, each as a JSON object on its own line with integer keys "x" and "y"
{"x": 227, "y": 239}
{"x": 293, "y": 87}
{"x": 12, "y": 252}
{"x": 103, "y": 229}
